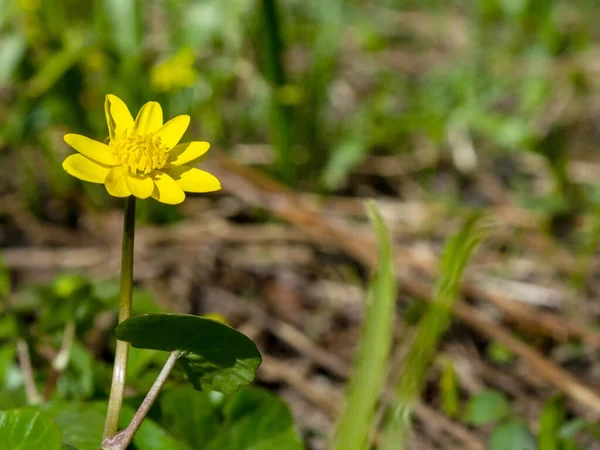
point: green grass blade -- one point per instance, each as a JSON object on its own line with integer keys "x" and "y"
{"x": 371, "y": 365}
{"x": 280, "y": 115}
{"x": 430, "y": 329}
{"x": 551, "y": 421}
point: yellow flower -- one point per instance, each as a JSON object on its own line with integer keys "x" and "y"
{"x": 142, "y": 157}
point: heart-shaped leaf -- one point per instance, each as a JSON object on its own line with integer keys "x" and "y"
{"x": 28, "y": 429}
{"x": 215, "y": 357}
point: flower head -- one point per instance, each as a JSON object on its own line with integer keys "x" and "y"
{"x": 142, "y": 157}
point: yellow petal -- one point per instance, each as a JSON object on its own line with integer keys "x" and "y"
{"x": 166, "y": 190}
{"x": 141, "y": 187}
{"x": 184, "y": 153}
{"x": 149, "y": 119}
{"x": 94, "y": 150}
{"x": 85, "y": 169}
{"x": 191, "y": 179}
{"x": 172, "y": 131}
{"x": 116, "y": 183}
{"x": 118, "y": 117}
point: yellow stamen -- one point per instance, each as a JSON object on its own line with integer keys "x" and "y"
{"x": 139, "y": 154}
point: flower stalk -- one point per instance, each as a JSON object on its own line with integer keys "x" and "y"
{"x": 115, "y": 401}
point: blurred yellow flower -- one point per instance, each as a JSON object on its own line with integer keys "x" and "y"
{"x": 175, "y": 73}
{"x": 142, "y": 157}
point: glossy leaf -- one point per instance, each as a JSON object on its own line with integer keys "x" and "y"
{"x": 28, "y": 429}
{"x": 215, "y": 357}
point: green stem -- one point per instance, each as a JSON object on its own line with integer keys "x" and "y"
{"x": 122, "y": 440}
{"x": 115, "y": 401}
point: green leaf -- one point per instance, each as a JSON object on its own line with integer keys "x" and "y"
{"x": 371, "y": 366}
{"x": 216, "y": 357}
{"x": 512, "y": 435}
{"x": 28, "y": 429}
{"x": 258, "y": 420}
{"x": 82, "y": 424}
{"x": 200, "y": 422}
{"x": 150, "y": 436}
{"x": 487, "y": 407}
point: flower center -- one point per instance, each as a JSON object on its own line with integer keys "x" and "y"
{"x": 139, "y": 154}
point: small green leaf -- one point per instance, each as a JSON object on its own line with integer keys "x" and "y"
{"x": 28, "y": 429}
{"x": 201, "y": 419}
{"x": 512, "y": 435}
{"x": 257, "y": 420}
{"x": 486, "y": 407}
{"x": 216, "y": 357}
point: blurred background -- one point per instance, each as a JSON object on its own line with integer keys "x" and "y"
{"x": 434, "y": 108}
